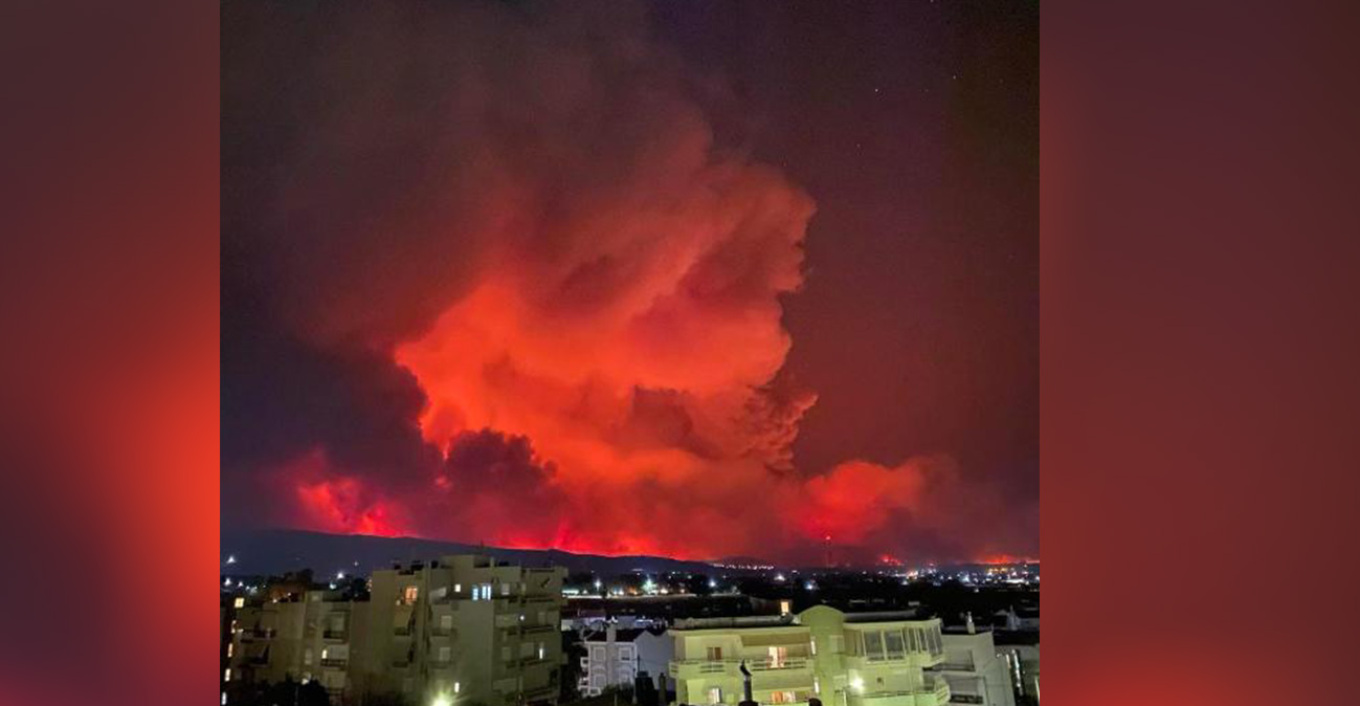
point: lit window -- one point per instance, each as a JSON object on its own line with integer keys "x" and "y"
{"x": 224, "y": 698}
{"x": 541, "y": 650}
{"x": 325, "y": 652}
{"x": 715, "y": 695}
{"x": 505, "y": 589}
{"x": 457, "y": 588}
{"x": 785, "y": 607}
{"x": 813, "y": 645}
{"x": 239, "y": 603}
{"x": 231, "y": 647}
{"x": 410, "y": 595}
{"x": 457, "y": 686}
{"x": 227, "y": 675}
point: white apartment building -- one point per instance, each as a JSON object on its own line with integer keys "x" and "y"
{"x": 872, "y": 659}
{"x": 976, "y": 670}
{"x": 615, "y": 657}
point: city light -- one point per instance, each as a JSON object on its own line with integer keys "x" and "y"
{"x": 231, "y": 559}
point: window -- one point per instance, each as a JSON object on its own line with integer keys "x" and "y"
{"x": 446, "y": 621}
{"x": 785, "y": 607}
{"x": 812, "y": 644}
{"x": 457, "y": 686}
{"x": 505, "y": 589}
{"x": 873, "y": 645}
{"x": 239, "y": 603}
{"x": 410, "y": 594}
{"x": 325, "y": 652}
{"x": 224, "y": 698}
{"x": 445, "y": 653}
{"x": 457, "y": 588}
{"x": 231, "y": 647}
{"x": 893, "y": 641}
{"x": 816, "y": 685}
{"x": 715, "y": 694}
{"x": 782, "y": 697}
{"x": 777, "y": 657}
{"x": 542, "y": 650}
{"x": 307, "y": 656}
{"x": 227, "y": 675}
{"x": 714, "y": 653}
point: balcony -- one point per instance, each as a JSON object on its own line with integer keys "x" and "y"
{"x": 933, "y": 693}
{"x": 957, "y": 665}
{"x": 335, "y": 635}
{"x": 335, "y": 663}
{"x": 917, "y": 659}
{"x": 966, "y": 699}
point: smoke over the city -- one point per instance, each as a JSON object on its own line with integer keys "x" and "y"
{"x": 490, "y": 276}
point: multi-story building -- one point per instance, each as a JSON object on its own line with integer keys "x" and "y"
{"x": 460, "y": 629}
{"x": 871, "y": 659}
{"x": 465, "y": 628}
{"x": 615, "y": 658}
{"x": 976, "y": 672}
{"x": 301, "y": 639}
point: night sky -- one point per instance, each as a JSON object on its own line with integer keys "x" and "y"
{"x": 686, "y": 278}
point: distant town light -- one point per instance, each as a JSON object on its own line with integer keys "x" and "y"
{"x": 231, "y": 559}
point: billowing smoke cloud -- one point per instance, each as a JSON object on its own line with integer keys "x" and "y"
{"x": 491, "y": 278}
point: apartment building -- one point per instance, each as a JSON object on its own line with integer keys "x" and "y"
{"x": 976, "y": 670}
{"x": 458, "y": 629}
{"x": 465, "y": 628}
{"x": 870, "y": 659}
{"x": 303, "y": 639}
{"x": 616, "y": 657}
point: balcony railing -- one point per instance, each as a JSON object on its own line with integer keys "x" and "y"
{"x": 336, "y": 663}
{"x": 966, "y": 699}
{"x": 335, "y": 634}
{"x": 732, "y": 667}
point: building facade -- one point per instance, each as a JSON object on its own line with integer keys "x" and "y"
{"x": 875, "y": 659}
{"x": 616, "y": 657}
{"x": 975, "y": 669}
{"x": 461, "y": 629}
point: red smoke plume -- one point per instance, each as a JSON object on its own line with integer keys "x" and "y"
{"x": 534, "y": 219}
